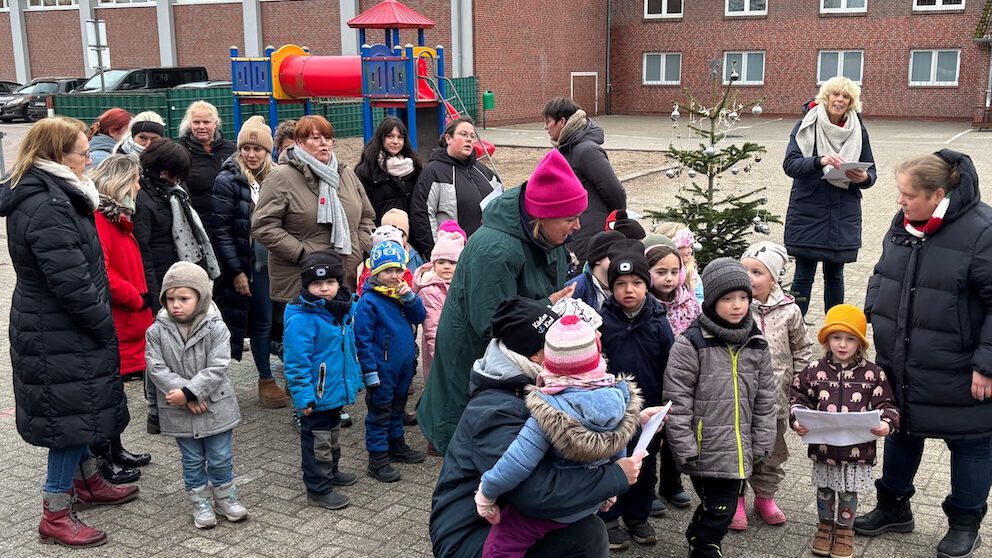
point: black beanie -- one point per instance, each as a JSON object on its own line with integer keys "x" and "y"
{"x": 720, "y": 277}
{"x": 600, "y": 243}
{"x": 618, "y": 221}
{"x": 317, "y": 266}
{"x": 627, "y": 258}
{"x": 521, "y": 324}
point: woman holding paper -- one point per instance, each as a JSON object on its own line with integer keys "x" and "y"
{"x": 929, "y": 301}
{"x": 823, "y": 222}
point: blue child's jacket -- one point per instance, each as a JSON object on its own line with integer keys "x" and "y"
{"x": 383, "y": 333}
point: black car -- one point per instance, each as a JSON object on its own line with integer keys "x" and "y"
{"x": 143, "y": 78}
{"x": 8, "y": 86}
{"x": 31, "y": 101}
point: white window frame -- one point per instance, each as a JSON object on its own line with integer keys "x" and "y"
{"x": 4, "y": 5}
{"x": 840, "y": 63}
{"x": 125, "y": 3}
{"x": 933, "y": 68}
{"x": 664, "y": 58}
{"x": 844, "y": 9}
{"x": 747, "y": 10}
{"x": 196, "y": 2}
{"x": 664, "y": 9}
{"x": 939, "y": 7}
{"x": 741, "y": 70}
{"x": 73, "y": 5}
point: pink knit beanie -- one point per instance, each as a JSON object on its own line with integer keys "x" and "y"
{"x": 553, "y": 191}
{"x": 447, "y": 246}
{"x": 452, "y": 226}
{"x": 572, "y": 349}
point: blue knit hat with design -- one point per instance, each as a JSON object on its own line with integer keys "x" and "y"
{"x": 387, "y": 254}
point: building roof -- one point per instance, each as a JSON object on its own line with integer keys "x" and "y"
{"x": 984, "y": 32}
{"x": 390, "y": 14}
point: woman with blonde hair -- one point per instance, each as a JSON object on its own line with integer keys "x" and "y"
{"x": 63, "y": 346}
{"x": 243, "y": 292}
{"x": 117, "y": 181}
{"x": 823, "y": 222}
{"x": 199, "y": 133}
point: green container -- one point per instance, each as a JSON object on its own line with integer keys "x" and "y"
{"x": 488, "y": 100}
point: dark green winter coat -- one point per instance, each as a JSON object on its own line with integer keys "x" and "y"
{"x": 501, "y": 259}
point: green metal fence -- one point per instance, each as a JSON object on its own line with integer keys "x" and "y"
{"x": 344, "y": 114}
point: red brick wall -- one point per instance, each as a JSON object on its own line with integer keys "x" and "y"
{"x": 310, "y": 23}
{"x": 205, "y": 34}
{"x": 132, "y": 35}
{"x": 7, "y": 71}
{"x": 55, "y": 45}
{"x": 791, "y": 36}
{"x": 526, "y": 50}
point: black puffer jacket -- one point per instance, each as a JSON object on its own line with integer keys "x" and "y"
{"x": 153, "y": 231}
{"x": 232, "y": 208}
{"x": 206, "y": 165}
{"x": 583, "y": 149}
{"x": 929, "y": 301}
{"x": 63, "y": 346}
{"x": 386, "y": 191}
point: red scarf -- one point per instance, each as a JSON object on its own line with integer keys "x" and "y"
{"x": 933, "y": 224}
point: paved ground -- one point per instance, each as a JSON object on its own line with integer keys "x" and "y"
{"x": 391, "y": 520}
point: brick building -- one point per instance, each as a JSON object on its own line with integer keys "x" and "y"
{"x": 914, "y": 58}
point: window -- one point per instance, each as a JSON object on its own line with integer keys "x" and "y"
{"x": 750, "y": 67}
{"x": 747, "y": 7}
{"x": 4, "y": 5}
{"x": 111, "y": 3}
{"x": 934, "y": 67}
{"x": 935, "y": 5}
{"x": 662, "y": 68}
{"x": 654, "y": 9}
{"x": 843, "y": 6}
{"x": 42, "y": 4}
{"x": 833, "y": 63}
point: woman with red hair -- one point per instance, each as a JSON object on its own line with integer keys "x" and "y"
{"x": 104, "y": 134}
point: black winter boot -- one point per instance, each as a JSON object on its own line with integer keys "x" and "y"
{"x": 111, "y": 471}
{"x": 892, "y": 514}
{"x": 400, "y": 452}
{"x": 962, "y": 537}
{"x": 380, "y": 469}
{"x": 125, "y": 458}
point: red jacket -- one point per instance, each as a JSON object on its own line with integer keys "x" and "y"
{"x": 126, "y": 275}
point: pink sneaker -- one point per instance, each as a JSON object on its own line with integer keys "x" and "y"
{"x": 739, "y": 522}
{"x": 769, "y": 511}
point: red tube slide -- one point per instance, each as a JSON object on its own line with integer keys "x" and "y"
{"x": 321, "y": 76}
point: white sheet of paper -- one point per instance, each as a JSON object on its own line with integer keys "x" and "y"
{"x": 838, "y": 429}
{"x": 651, "y": 428}
{"x": 837, "y": 173}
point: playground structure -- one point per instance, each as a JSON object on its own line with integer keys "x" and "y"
{"x": 406, "y": 81}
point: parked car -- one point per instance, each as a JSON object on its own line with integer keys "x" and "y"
{"x": 30, "y": 102}
{"x": 204, "y": 84}
{"x": 143, "y": 78}
{"x": 8, "y": 86}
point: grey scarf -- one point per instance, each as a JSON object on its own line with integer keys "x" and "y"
{"x": 736, "y": 335}
{"x": 329, "y": 208}
{"x": 574, "y": 123}
{"x": 188, "y": 235}
{"x": 818, "y": 133}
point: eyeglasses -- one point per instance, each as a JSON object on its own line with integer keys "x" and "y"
{"x": 83, "y": 154}
{"x": 467, "y": 135}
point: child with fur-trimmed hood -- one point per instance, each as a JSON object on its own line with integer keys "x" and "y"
{"x": 579, "y": 411}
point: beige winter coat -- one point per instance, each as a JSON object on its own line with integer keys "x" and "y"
{"x": 781, "y": 322}
{"x": 285, "y": 222}
{"x": 723, "y": 403}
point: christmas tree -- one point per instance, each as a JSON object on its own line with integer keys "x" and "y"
{"x": 719, "y": 221}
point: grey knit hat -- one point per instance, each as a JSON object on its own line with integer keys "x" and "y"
{"x": 186, "y": 274}
{"x": 722, "y": 276}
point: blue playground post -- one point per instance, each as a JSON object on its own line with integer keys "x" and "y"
{"x": 411, "y": 97}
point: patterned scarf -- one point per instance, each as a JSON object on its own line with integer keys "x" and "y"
{"x": 378, "y": 287}
{"x": 329, "y": 208}
{"x": 933, "y": 224}
{"x": 188, "y": 235}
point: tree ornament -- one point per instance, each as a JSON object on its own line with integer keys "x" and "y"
{"x": 734, "y": 170}
{"x": 757, "y": 158}
{"x": 670, "y": 173}
{"x": 696, "y": 247}
{"x": 692, "y": 173}
{"x": 676, "y": 114}
{"x": 733, "y": 116}
{"x": 756, "y": 110}
{"x": 710, "y": 151}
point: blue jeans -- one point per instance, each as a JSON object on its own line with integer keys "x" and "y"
{"x": 207, "y": 459}
{"x": 260, "y": 322}
{"x": 62, "y": 466}
{"x": 833, "y": 283}
{"x": 971, "y": 468}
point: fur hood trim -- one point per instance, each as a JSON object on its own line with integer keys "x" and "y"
{"x": 577, "y": 443}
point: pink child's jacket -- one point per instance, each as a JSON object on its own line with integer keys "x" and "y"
{"x": 433, "y": 291}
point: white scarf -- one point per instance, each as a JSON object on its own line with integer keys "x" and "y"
{"x": 84, "y": 184}
{"x": 817, "y": 133}
{"x": 129, "y": 146}
{"x": 255, "y": 190}
{"x": 329, "y": 208}
{"x": 398, "y": 166}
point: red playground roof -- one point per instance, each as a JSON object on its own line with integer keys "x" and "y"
{"x": 390, "y": 14}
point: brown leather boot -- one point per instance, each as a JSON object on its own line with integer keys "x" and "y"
{"x": 270, "y": 395}
{"x": 843, "y": 546}
{"x": 93, "y": 490}
{"x": 823, "y": 540}
{"x": 59, "y": 524}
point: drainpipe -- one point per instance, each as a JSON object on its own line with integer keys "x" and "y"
{"x": 609, "y": 34}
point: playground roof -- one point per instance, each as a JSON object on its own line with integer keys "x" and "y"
{"x": 390, "y": 14}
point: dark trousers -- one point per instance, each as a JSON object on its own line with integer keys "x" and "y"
{"x": 278, "y": 314}
{"x": 671, "y": 479}
{"x": 635, "y": 505}
{"x": 260, "y": 323}
{"x": 712, "y": 518}
{"x": 585, "y": 538}
{"x": 319, "y": 445}
{"x": 833, "y": 283}
{"x": 971, "y": 468}
{"x": 387, "y": 405}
